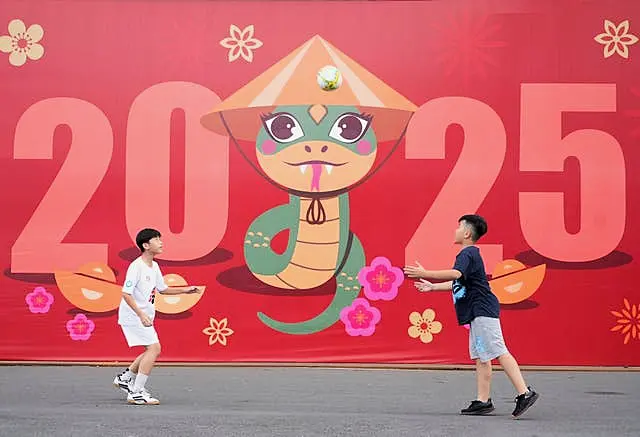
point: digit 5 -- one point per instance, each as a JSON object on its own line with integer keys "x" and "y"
{"x": 602, "y": 172}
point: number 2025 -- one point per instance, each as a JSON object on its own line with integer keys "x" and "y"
{"x": 542, "y": 149}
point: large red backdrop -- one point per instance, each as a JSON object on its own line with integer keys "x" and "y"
{"x": 527, "y": 113}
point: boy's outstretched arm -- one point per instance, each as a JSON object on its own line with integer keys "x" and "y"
{"x": 180, "y": 290}
{"x": 418, "y": 271}
{"x": 424, "y": 285}
{"x": 442, "y": 275}
{"x": 163, "y": 288}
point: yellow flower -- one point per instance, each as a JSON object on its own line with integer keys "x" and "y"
{"x": 616, "y": 39}
{"x": 241, "y": 43}
{"x": 22, "y": 42}
{"x": 217, "y": 331}
{"x": 628, "y": 321}
{"x": 424, "y": 326}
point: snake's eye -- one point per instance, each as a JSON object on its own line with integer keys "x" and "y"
{"x": 350, "y": 127}
{"x": 283, "y": 127}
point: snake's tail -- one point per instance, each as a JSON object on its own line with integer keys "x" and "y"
{"x": 354, "y": 261}
{"x": 319, "y": 323}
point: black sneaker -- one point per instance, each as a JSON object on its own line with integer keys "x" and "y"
{"x": 478, "y": 408}
{"x": 524, "y": 402}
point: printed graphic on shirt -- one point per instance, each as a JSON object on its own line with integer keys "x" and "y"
{"x": 459, "y": 291}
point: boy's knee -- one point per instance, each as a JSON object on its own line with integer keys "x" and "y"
{"x": 504, "y": 356}
{"x": 155, "y": 349}
{"x": 484, "y": 368}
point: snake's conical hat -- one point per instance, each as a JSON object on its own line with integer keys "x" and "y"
{"x": 292, "y": 81}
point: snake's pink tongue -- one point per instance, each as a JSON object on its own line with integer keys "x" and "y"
{"x": 315, "y": 178}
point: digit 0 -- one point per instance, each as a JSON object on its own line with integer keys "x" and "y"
{"x": 147, "y": 171}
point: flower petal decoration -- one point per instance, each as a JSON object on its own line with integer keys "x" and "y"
{"x": 381, "y": 280}
{"x": 22, "y": 43}
{"x": 628, "y": 321}
{"x": 616, "y": 39}
{"x": 39, "y": 300}
{"x": 424, "y": 325}
{"x": 360, "y": 318}
{"x": 217, "y": 331}
{"x": 80, "y": 328}
{"x": 241, "y": 43}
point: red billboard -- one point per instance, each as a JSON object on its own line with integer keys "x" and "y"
{"x": 296, "y": 155}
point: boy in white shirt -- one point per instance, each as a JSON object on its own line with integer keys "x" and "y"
{"x": 136, "y": 314}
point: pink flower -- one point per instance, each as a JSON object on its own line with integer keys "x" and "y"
{"x": 80, "y": 328}
{"x": 360, "y": 318}
{"x": 380, "y": 280}
{"x": 39, "y": 300}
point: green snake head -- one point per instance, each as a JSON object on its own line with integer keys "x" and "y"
{"x": 316, "y": 148}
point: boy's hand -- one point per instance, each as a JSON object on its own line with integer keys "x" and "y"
{"x": 424, "y": 285}
{"x": 194, "y": 290}
{"x": 416, "y": 271}
{"x": 146, "y": 320}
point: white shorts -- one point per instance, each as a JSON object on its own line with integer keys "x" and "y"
{"x": 140, "y": 335}
{"x": 485, "y": 339}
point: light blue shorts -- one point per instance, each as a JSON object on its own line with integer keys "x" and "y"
{"x": 485, "y": 339}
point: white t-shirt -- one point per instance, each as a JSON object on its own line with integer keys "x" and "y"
{"x": 141, "y": 282}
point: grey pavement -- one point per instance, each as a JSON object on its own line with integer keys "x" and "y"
{"x": 306, "y": 402}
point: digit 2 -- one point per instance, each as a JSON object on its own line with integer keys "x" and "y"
{"x": 39, "y": 247}
{"x": 470, "y": 180}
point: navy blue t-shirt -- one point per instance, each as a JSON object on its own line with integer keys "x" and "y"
{"x": 472, "y": 294}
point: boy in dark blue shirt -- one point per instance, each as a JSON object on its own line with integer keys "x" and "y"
{"x": 477, "y": 306}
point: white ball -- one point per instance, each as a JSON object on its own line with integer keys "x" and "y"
{"x": 329, "y": 78}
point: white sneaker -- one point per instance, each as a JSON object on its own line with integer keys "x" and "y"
{"x": 126, "y": 385}
{"x": 142, "y": 397}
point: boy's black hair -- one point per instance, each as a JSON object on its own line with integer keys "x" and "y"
{"x": 144, "y": 236}
{"x": 477, "y": 224}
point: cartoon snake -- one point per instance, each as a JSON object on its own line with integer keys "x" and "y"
{"x": 317, "y": 153}
{"x": 317, "y": 146}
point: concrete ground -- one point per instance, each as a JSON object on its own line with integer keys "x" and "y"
{"x": 229, "y": 402}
